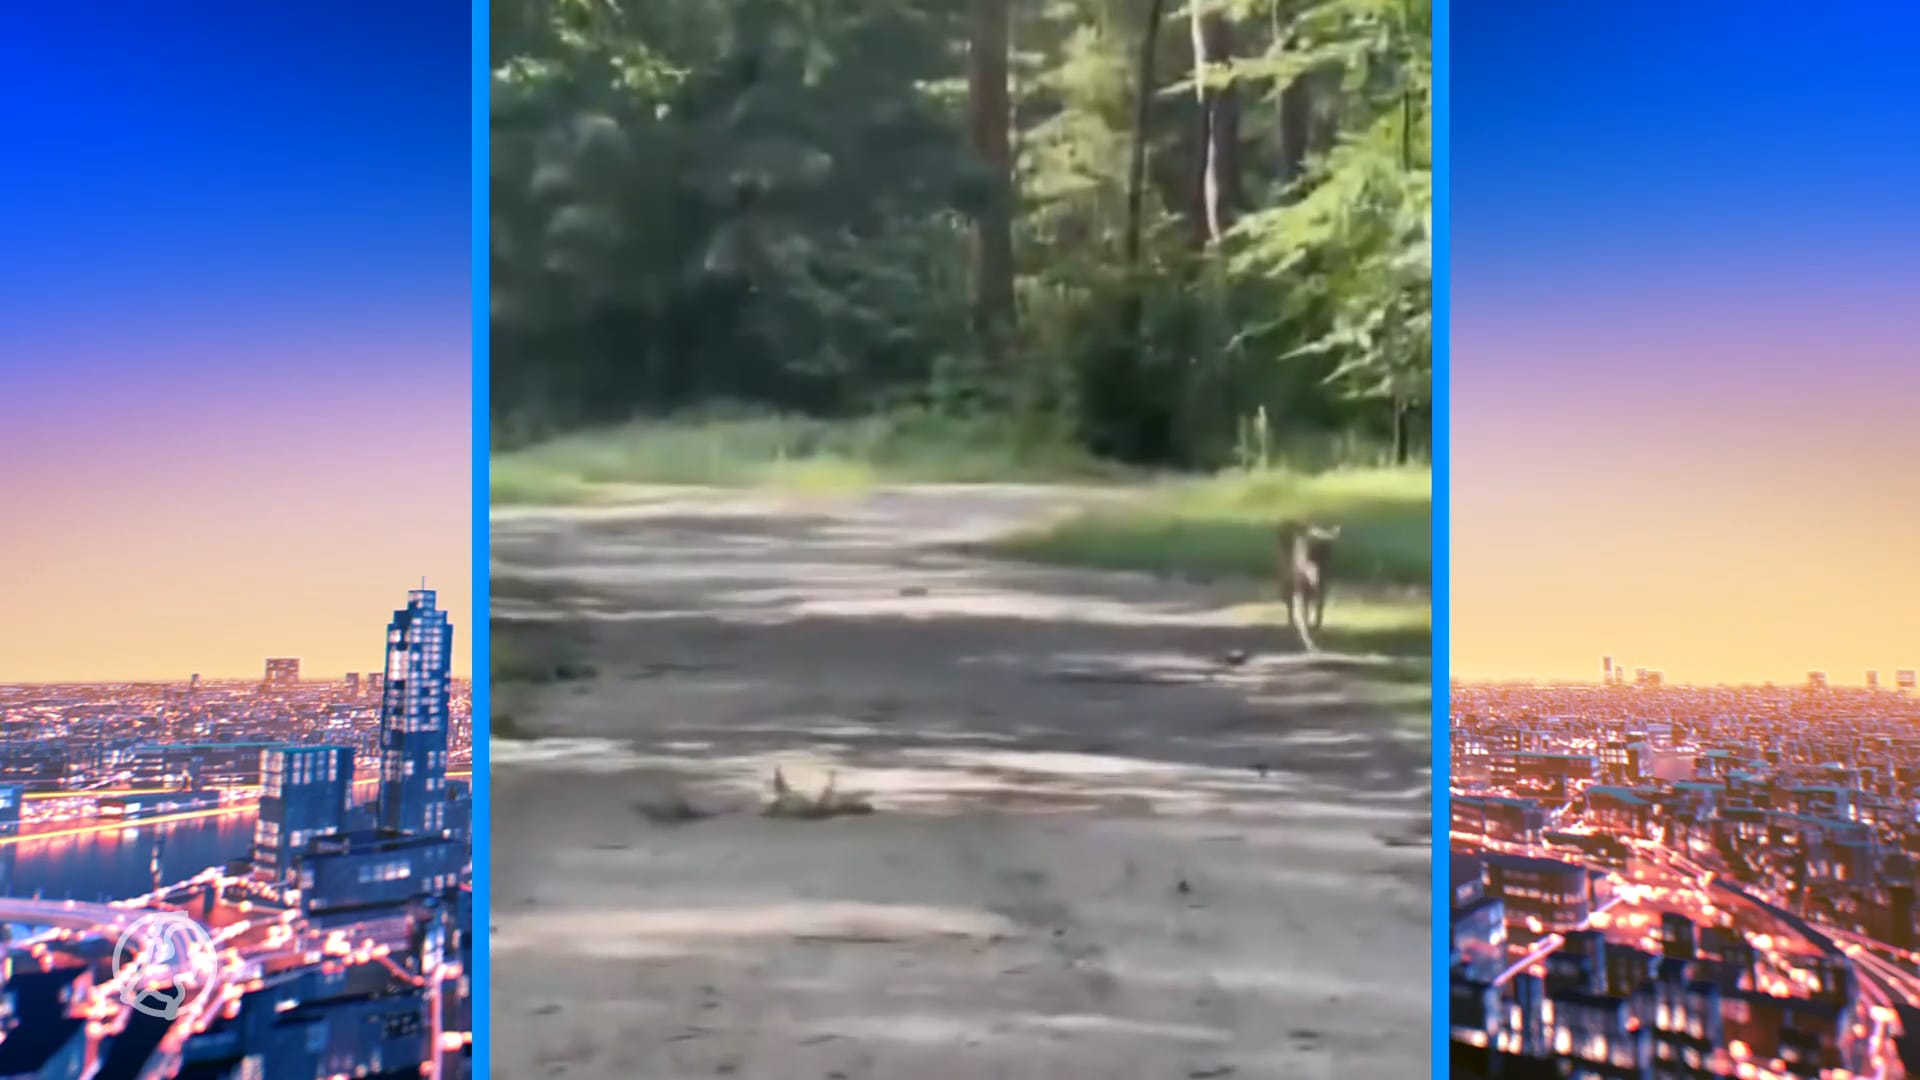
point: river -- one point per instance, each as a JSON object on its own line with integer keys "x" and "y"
{"x": 115, "y": 863}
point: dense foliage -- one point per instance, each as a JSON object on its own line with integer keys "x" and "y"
{"x": 1172, "y": 234}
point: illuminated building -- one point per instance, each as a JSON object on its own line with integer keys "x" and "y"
{"x": 1626, "y": 760}
{"x": 1479, "y": 946}
{"x": 1555, "y": 894}
{"x": 1476, "y": 1015}
{"x": 1514, "y": 820}
{"x": 1544, "y": 771}
{"x": 304, "y": 794}
{"x": 283, "y": 670}
{"x": 1598, "y": 1034}
{"x": 1619, "y": 810}
{"x": 1579, "y": 965}
{"x": 413, "y": 718}
{"x": 194, "y": 763}
{"x": 9, "y": 808}
{"x": 352, "y": 875}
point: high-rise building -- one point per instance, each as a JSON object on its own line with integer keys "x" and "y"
{"x": 1606, "y": 670}
{"x": 283, "y": 669}
{"x": 413, "y": 718}
{"x": 353, "y": 684}
{"x": 1873, "y": 680}
{"x": 304, "y": 793}
{"x": 1816, "y": 680}
{"x": 1904, "y": 679}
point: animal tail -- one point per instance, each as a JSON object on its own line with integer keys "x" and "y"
{"x": 1301, "y": 619}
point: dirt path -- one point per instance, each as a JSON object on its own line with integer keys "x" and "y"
{"x": 1096, "y": 850}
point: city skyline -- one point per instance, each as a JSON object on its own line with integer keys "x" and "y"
{"x": 316, "y": 835}
{"x": 1745, "y": 854}
{"x": 235, "y": 321}
{"x": 1681, "y": 377}
{"x": 253, "y": 671}
{"x": 1833, "y": 678}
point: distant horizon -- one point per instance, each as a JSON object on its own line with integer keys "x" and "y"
{"x": 326, "y": 658}
{"x": 1886, "y": 682}
{"x": 204, "y": 678}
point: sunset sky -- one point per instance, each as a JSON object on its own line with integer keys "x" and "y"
{"x": 234, "y": 335}
{"x": 1686, "y": 341}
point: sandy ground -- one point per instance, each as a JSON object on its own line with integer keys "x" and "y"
{"x": 1096, "y": 850}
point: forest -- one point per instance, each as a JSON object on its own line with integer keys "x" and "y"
{"x": 1185, "y": 236}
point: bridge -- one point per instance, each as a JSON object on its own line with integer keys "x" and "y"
{"x": 66, "y": 914}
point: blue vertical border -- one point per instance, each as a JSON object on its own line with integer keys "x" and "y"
{"x": 1442, "y": 539}
{"x": 480, "y": 154}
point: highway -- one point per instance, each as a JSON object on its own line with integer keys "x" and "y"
{"x": 1882, "y": 983}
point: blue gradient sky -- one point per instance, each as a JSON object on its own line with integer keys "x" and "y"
{"x": 234, "y": 332}
{"x": 1685, "y": 367}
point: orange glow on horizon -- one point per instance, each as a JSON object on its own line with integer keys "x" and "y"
{"x": 1711, "y": 536}
{"x": 189, "y": 524}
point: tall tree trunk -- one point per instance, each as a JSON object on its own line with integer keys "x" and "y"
{"x": 990, "y": 129}
{"x": 1144, "y": 83}
{"x": 1126, "y": 420}
{"x": 1219, "y": 143}
{"x": 1296, "y": 119}
{"x": 1208, "y": 402}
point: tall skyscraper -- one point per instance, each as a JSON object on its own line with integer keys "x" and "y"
{"x": 1873, "y": 680}
{"x": 413, "y": 718}
{"x": 304, "y": 792}
{"x": 353, "y": 684}
{"x": 1606, "y": 670}
{"x": 283, "y": 669}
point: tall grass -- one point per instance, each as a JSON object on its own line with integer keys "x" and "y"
{"x": 1224, "y": 526}
{"x": 785, "y": 452}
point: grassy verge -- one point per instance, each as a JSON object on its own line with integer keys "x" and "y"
{"x": 521, "y": 660}
{"x": 791, "y": 453}
{"x": 1223, "y": 528}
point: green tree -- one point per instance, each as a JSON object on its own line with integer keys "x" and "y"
{"x": 810, "y": 205}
